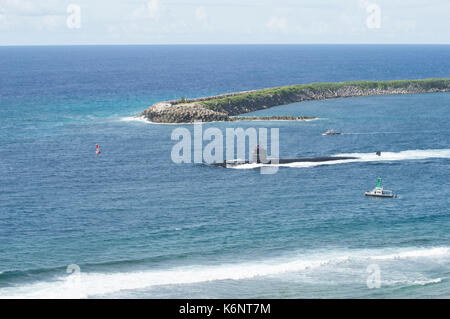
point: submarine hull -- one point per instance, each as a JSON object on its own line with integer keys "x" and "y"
{"x": 288, "y": 160}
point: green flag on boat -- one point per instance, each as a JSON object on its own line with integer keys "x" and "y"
{"x": 379, "y": 183}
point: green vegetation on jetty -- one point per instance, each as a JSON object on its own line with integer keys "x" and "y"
{"x": 222, "y": 107}
{"x": 298, "y": 93}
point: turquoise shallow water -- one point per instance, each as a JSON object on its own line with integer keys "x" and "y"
{"x": 141, "y": 226}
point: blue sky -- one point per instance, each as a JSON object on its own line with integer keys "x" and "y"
{"x": 48, "y": 22}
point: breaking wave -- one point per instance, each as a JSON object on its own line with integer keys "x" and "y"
{"x": 89, "y": 284}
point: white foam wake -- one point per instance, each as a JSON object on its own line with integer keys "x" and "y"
{"x": 421, "y": 253}
{"x": 134, "y": 119}
{"x": 364, "y": 157}
{"x": 142, "y": 119}
{"x": 97, "y": 284}
{"x": 422, "y": 282}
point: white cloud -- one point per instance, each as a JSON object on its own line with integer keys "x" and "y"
{"x": 223, "y": 21}
{"x": 17, "y": 7}
{"x": 277, "y": 24}
{"x": 363, "y": 4}
{"x": 31, "y": 8}
{"x": 152, "y": 22}
{"x": 29, "y": 15}
{"x": 152, "y": 10}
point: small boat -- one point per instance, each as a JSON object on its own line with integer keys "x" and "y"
{"x": 379, "y": 191}
{"x": 331, "y": 132}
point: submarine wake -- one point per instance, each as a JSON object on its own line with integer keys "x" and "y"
{"x": 347, "y": 158}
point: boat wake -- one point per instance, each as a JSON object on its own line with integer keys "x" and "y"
{"x": 94, "y": 284}
{"x": 361, "y": 157}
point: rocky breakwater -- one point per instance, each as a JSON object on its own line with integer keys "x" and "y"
{"x": 227, "y": 106}
{"x": 167, "y": 112}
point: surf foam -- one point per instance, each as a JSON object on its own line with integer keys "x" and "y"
{"x": 97, "y": 284}
{"x": 134, "y": 119}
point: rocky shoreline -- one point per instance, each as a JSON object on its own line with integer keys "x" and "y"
{"x": 225, "y": 107}
{"x": 166, "y": 112}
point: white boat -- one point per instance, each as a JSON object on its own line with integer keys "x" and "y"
{"x": 379, "y": 191}
{"x": 331, "y": 132}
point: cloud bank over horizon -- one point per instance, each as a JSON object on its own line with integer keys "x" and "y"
{"x": 53, "y": 22}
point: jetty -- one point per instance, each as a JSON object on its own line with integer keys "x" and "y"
{"x": 228, "y": 107}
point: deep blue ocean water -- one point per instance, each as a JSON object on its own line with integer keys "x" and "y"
{"x": 138, "y": 225}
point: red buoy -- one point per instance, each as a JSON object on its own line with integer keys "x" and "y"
{"x": 98, "y": 149}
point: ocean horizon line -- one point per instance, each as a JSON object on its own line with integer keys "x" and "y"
{"x": 224, "y": 44}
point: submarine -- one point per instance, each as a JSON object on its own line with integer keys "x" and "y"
{"x": 259, "y": 156}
